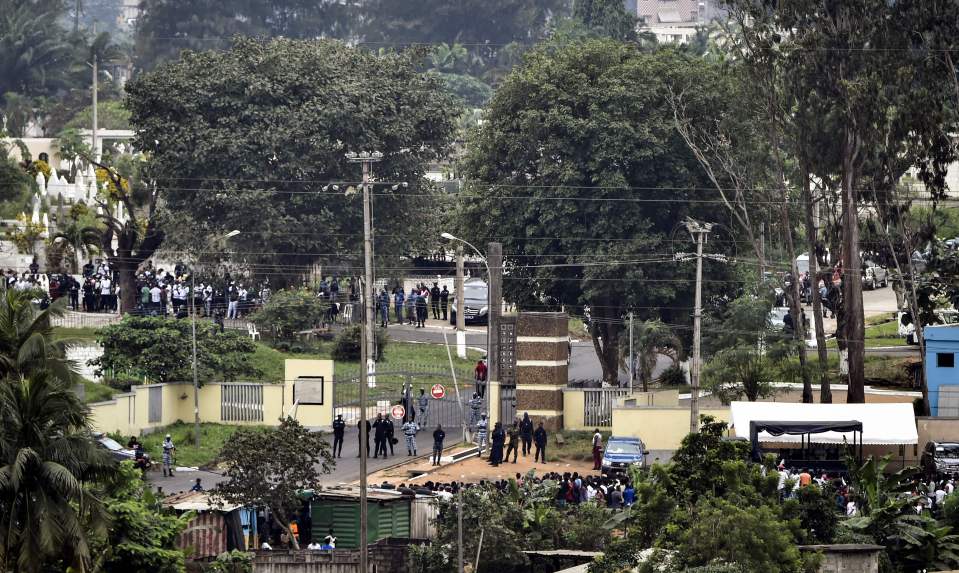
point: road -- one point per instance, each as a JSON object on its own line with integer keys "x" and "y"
{"x": 347, "y": 467}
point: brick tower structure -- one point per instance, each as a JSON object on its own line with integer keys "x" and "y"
{"x": 542, "y": 366}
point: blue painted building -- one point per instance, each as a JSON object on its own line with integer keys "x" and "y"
{"x": 942, "y": 372}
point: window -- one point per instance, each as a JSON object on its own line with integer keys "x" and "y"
{"x": 945, "y": 360}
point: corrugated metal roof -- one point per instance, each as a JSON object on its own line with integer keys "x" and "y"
{"x": 197, "y": 501}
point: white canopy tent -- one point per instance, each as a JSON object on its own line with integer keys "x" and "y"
{"x": 882, "y": 424}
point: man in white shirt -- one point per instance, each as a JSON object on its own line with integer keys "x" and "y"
{"x": 105, "y": 293}
{"x": 155, "y": 298}
{"x": 597, "y": 451}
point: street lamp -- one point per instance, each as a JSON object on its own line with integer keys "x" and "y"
{"x": 196, "y": 382}
{"x": 489, "y": 306}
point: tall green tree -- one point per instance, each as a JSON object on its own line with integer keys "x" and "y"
{"x": 47, "y": 460}
{"x": 607, "y": 18}
{"x": 260, "y": 146}
{"x": 34, "y": 52}
{"x": 873, "y": 72}
{"x": 579, "y": 172}
{"x": 651, "y": 339}
{"x": 270, "y": 468}
{"x": 27, "y": 343}
{"x": 166, "y": 28}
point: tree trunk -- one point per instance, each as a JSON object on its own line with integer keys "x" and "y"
{"x": 825, "y": 392}
{"x": 854, "y": 327}
{"x": 795, "y": 308}
{"x": 604, "y": 330}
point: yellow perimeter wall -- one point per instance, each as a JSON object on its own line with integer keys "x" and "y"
{"x": 574, "y": 404}
{"x": 660, "y": 428}
{"x": 129, "y": 413}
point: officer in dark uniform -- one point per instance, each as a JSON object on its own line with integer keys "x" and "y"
{"x": 339, "y": 426}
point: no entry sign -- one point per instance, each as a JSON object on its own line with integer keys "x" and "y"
{"x": 398, "y": 412}
{"x": 438, "y": 391}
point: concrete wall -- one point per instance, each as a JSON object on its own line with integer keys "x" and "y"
{"x": 660, "y": 428}
{"x": 573, "y": 409}
{"x": 310, "y": 415}
{"x": 846, "y": 558}
{"x": 129, "y": 413}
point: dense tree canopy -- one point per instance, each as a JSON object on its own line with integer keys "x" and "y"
{"x": 579, "y": 172}
{"x": 259, "y": 146}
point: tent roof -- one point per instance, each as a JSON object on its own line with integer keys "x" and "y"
{"x": 893, "y": 423}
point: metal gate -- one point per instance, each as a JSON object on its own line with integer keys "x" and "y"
{"x": 403, "y": 387}
{"x": 241, "y": 402}
{"x": 155, "y": 405}
{"x": 507, "y": 403}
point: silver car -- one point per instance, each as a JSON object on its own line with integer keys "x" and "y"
{"x": 874, "y": 276}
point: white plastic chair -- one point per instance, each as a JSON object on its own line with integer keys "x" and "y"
{"x": 254, "y": 333}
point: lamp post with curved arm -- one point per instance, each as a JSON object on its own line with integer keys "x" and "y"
{"x": 489, "y": 308}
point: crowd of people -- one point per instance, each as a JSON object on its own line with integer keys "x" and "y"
{"x": 413, "y": 308}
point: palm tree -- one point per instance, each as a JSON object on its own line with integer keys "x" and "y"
{"x": 76, "y": 238}
{"x": 651, "y": 338}
{"x": 27, "y": 345}
{"x": 47, "y": 461}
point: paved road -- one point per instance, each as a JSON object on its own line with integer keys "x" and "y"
{"x": 347, "y": 467}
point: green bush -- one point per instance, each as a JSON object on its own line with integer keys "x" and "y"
{"x": 672, "y": 376}
{"x": 159, "y": 350}
{"x": 291, "y": 311}
{"x": 346, "y": 345}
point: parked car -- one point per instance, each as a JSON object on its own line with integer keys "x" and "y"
{"x": 621, "y": 453}
{"x": 475, "y": 300}
{"x": 121, "y": 453}
{"x": 874, "y": 276}
{"x": 940, "y": 459}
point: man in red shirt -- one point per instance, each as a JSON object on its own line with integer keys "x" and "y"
{"x": 479, "y": 376}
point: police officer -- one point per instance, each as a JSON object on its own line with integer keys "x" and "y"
{"x": 409, "y": 430}
{"x": 482, "y": 433}
{"x": 339, "y": 427}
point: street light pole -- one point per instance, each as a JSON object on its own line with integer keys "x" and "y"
{"x": 489, "y": 304}
{"x": 366, "y": 159}
{"x": 196, "y": 381}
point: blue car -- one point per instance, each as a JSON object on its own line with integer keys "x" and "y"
{"x": 621, "y": 453}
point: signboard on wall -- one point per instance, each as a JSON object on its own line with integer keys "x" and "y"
{"x": 308, "y": 390}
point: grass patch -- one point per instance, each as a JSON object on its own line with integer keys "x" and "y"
{"x": 880, "y": 318}
{"x": 93, "y": 392}
{"x": 879, "y": 334}
{"x": 212, "y": 438}
{"x": 86, "y": 333}
{"x": 398, "y": 356}
{"x": 577, "y": 329}
{"x": 576, "y": 446}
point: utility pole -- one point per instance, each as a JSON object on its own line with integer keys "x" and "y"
{"x": 366, "y": 159}
{"x": 699, "y": 231}
{"x": 76, "y": 19}
{"x": 459, "y": 532}
{"x": 632, "y": 358}
{"x": 495, "y": 291}
{"x": 96, "y": 73}
{"x": 460, "y": 304}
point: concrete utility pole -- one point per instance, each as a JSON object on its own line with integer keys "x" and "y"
{"x": 366, "y": 159}
{"x": 196, "y": 381}
{"x": 459, "y": 532}
{"x": 96, "y": 73}
{"x": 632, "y": 358}
{"x": 460, "y": 302}
{"x": 699, "y": 231}
{"x": 495, "y": 291}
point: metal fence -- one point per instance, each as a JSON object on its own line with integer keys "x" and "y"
{"x": 241, "y": 402}
{"x": 401, "y": 384}
{"x": 598, "y": 405}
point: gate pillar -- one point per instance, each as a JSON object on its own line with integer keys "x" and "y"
{"x": 542, "y": 366}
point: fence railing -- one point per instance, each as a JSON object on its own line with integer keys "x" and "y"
{"x": 598, "y": 405}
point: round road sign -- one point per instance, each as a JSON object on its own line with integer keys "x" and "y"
{"x": 438, "y": 391}
{"x": 398, "y": 411}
